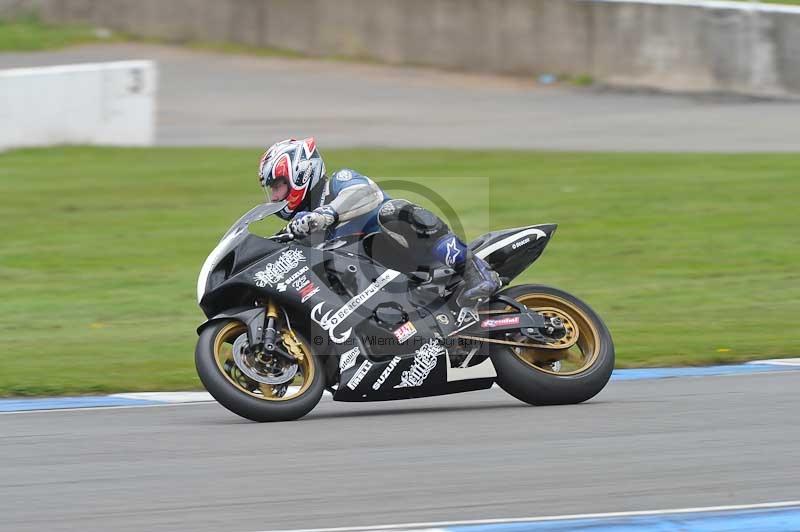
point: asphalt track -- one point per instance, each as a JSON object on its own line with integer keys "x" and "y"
{"x": 209, "y": 99}
{"x": 639, "y": 445}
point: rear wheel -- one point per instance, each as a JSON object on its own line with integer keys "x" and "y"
{"x": 258, "y": 387}
{"x": 570, "y": 369}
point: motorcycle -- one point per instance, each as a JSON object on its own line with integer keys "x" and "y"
{"x": 288, "y": 319}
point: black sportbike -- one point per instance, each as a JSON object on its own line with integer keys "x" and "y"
{"x": 288, "y": 319}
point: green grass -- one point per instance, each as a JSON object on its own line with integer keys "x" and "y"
{"x": 29, "y": 34}
{"x": 691, "y": 259}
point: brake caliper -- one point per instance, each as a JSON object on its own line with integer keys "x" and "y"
{"x": 293, "y": 345}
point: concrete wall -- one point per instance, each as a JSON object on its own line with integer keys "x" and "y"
{"x": 102, "y": 103}
{"x": 683, "y": 45}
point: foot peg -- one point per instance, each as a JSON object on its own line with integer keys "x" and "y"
{"x": 468, "y": 314}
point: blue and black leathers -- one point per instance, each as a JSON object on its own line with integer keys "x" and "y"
{"x": 354, "y": 204}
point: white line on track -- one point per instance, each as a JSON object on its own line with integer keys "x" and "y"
{"x": 441, "y": 524}
{"x": 199, "y": 398}
{"x": 778, "y": 362}
{"x": 92, "y": 408}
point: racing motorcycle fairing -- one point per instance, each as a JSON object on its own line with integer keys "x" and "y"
{"x": 252, "y": 317}
{"x": 511, "y": 251}
{"x": 389, "y": 345}
{"x": 229, "y": 242}
{"x": 426, "y": 371}
{"x": 389, "y": 330}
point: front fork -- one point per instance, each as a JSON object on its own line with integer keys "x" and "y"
{"x": 262, "y": 333}
{"x": 270, "y": 333}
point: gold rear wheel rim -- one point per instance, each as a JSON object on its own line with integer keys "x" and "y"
{"x": 223, "y": 356}
{"x": 571, "y": 355}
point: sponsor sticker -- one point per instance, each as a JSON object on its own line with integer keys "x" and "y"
{"x": 344, "y": 175}
{"x": 386, "y": 372}
{"x": 405, "y": 331}
{"x": 362, "y": 370}
{"x": 274, "y": 272}
{"x": 281, "y": 287}
{"x": 499, "y": 322}
{"x": 348, "y": 359}
{"x": 424, "y": 362}
{"x": 520, "y": 243}
{"x": 332, "y": 319}
{"x": 307, "y": 292}
{"x": 301, "y": 283}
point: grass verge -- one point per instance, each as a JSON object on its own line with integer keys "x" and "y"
{"x": 29, "y": 34}
{"x": 690, "y": 259}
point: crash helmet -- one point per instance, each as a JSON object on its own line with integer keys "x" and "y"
{"x": 290, "y": 171}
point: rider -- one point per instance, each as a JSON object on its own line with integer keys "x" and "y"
{"x": 349, "y": 203}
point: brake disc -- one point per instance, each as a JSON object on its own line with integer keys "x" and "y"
{"x": 254, "y": 366}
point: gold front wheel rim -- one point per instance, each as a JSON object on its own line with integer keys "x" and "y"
{"x": 571, "y": 355}
{"x": 223, "y": 356}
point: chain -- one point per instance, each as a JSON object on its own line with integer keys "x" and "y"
{"x": 518, "y": 344}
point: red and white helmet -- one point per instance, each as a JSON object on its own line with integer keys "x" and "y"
{"x": 289, "y": 170}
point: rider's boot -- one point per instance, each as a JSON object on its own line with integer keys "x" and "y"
{"x": 480, "y": 281}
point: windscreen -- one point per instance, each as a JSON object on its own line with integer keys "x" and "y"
{"x": 257, "y": 213}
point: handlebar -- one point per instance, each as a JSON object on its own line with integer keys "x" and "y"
{"x": 282, "y": 236}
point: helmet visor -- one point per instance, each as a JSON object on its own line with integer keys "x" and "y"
{"x": 278, "y": 189}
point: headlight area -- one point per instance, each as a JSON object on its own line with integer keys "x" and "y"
{"x": 208, "y": 280}
{"x": 221, "y": 272}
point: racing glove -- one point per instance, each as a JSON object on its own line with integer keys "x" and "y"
{"x": 306, "y": 223}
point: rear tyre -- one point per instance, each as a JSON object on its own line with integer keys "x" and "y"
{"x": 249, "y": 398}
{"x": 569, "y": 370}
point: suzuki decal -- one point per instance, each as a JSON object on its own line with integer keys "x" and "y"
{"x": 275, "y": 272}
{"x": 331, "y": 319}
{"x": 281, "y": 287}
{"x": 424, "y": 362}
{"x": 385, "y": 375}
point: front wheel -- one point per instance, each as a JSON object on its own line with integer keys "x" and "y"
{"x": 258, "y": 388}
{"x": 570, "y": 369}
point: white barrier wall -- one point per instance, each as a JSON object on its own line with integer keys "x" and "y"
{"x": 96, "y": 103}
{"x": 682, "y": 45}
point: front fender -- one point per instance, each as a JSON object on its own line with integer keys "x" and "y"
{"x": 253, "y": 318}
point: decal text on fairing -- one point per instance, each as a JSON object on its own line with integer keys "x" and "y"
{"x": 521, "y": 243}
{"x": 308, "y": 291}
{"x": 276, "y": 271}
{"x": 424, "y": 362}
{"x": 331, "y": 319}
{"x": 386, "y": 372}
{"x": 348, "y": 359}
{"x": 362, "y": 370}
{"x": 281, "y": 287}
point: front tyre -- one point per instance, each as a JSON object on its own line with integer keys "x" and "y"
{"x": 568, "y": 370}
{"x": 219, "y": 359}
